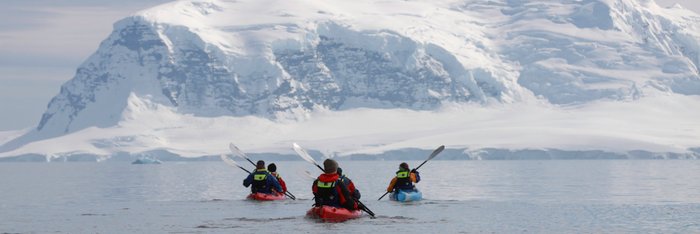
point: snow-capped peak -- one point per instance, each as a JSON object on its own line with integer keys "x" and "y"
{"x": 284, "y": 60}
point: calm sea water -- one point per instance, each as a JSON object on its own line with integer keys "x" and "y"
{"x": 461, "y": 196}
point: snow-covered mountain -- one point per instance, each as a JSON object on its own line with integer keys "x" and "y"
{"x": 268, "y": 66}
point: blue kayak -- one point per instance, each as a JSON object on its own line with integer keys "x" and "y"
{"x": 406, "y": 195}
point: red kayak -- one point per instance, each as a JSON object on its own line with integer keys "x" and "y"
{"x": 333, "y": 214}
{"x": 266, "y": 197}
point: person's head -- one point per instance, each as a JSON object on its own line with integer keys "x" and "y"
{"x": 339, "y": 171}
{"x": 260, "y": 164}
{"x": 330, "y": 166}
{"x": 403, "y": 166}
{"x": 272, "y": 167}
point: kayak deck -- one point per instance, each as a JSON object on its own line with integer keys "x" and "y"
{"x": 406, "y": 195}
{"x": 266, "y": 197}
{"x": 333, "y": 214}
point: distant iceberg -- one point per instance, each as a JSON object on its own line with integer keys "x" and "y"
{"x": 146, "y": 160}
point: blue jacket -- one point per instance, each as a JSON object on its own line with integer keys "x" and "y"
{"x": 262, "y": 181}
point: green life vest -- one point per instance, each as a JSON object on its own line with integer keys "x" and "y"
{"x": 403, "y": 180}
{"x": 259, "y": 180}
{"x": 325, "y": 185}
{"x": 402, "y": 174}
{"x": 259, "y": 177}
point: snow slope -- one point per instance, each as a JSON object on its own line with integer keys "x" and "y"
{"x": 660, "y": 124}
{"x": 613, "y": 75}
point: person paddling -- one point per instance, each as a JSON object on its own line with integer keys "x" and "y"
{"x": 272, "y": 168}
{"x": 404, "y": 179}
{"x": 355, "y": 193}
{"x": 262, "y": 180}
{"x": 330, "y": 190}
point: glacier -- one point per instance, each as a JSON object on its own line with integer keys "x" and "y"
{"x": 368, "y": 77}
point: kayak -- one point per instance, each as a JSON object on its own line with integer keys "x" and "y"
{"x": 333, "y": 214}
{"x": 266, "y": 197}
{"x": 407, "y": 195}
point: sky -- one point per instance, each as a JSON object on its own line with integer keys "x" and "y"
{"x": 42, "y": 42}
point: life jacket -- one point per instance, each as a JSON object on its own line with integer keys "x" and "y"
{"x": 326, "y": 191}
{"x": 331, "y": 191}
{"x": 260, "y": 181}
{"x": 403, "y": 180}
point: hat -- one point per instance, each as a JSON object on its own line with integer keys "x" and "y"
{"x": 272, "y": 167}
{"x": 260, "y": 164}
{"x": 330, "y": 166}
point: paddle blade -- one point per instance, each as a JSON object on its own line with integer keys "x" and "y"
{"x": 236, "y": 151}
{"x": 432, "y": 155}
{"x": 229, "y": 161}
{"x": 436, "y": 152}
{"x": 303, "y": 154}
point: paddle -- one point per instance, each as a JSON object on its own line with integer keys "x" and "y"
{"x": 432, "y": 155}
{"x": 305, "y": 155}
{"x": 238, "y": 152}
{"x": 232, "y": 163}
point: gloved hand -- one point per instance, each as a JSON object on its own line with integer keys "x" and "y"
{"x": 357, "y": 194}
{"x": 417, "y": 175}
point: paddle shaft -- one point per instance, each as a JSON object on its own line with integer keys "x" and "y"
{"x": 421, "y": 164}
{"x": 435, "y": 153}
{"x": 363, "y": 207}
{"x": 380, "y": 198}
{"x": 246, "y": 170}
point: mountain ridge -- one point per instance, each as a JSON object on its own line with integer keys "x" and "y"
{"x": 285, "y": 60}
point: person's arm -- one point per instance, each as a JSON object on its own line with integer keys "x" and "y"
{"x": 346, "y": 199}
{"x": 391, "y": 185}
{"x": 282, "y": 183}
{"x": 415, "y": 176}
{"x": 355, "y": 192}
{"x": 248, "y": 180}
{"x": 275, "y": 184}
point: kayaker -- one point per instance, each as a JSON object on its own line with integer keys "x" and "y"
{"x": 354, "y": 192}
{"x": 272, "y": 168}
{"x": 262, "y": 180}
{"x": 329, "y": 190}
{"x": 404, "y": 179}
